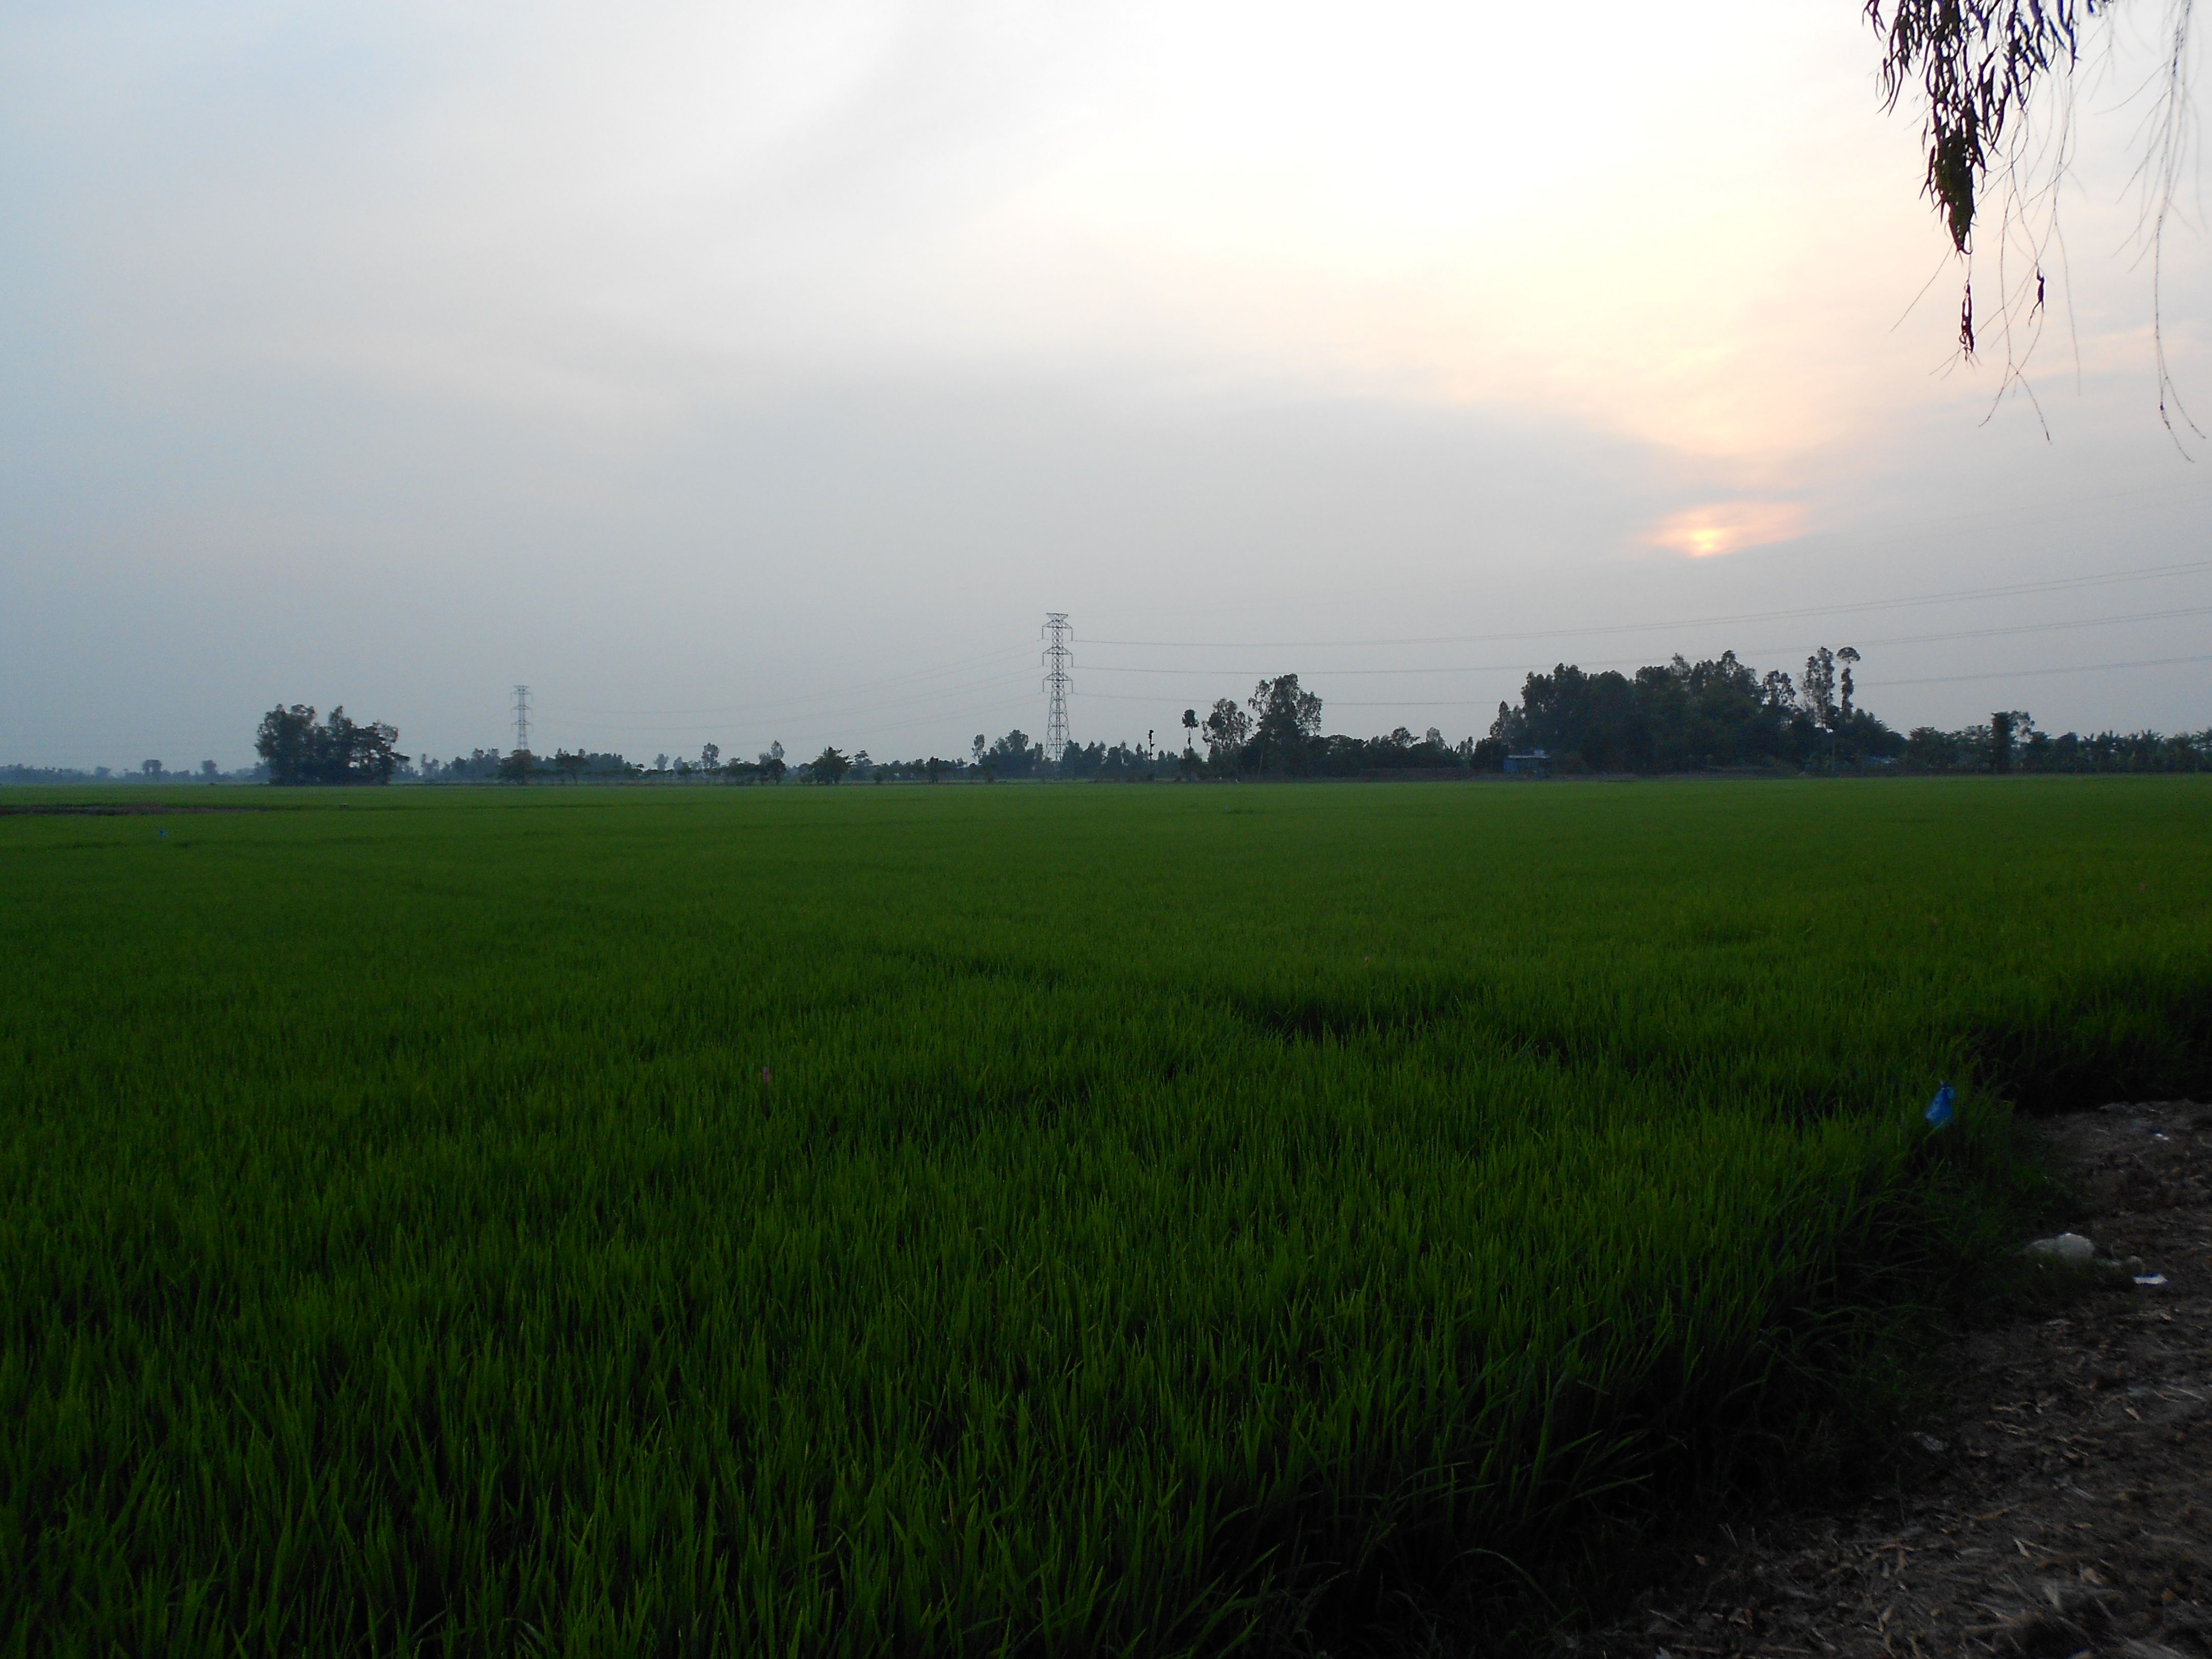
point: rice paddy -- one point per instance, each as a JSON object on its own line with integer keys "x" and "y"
{"x": 1052, "y": 1221}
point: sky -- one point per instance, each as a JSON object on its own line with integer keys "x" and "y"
{"x": 735, "y": 372}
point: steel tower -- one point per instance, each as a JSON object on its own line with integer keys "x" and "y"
{"x": 1057, "y": 659}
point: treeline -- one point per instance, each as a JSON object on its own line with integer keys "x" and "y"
{"x": 1671, "y": 717}
{"x": 1682, "y": 716}
{"x": 2009, "y": 741}
{"x": 149, "y": 771}
{"x": 1676, "y": 716}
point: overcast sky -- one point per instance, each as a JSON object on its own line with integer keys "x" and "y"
{"x": 731, "y": 372}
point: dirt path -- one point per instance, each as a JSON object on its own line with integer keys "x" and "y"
{"x": 2062, "y": 1507}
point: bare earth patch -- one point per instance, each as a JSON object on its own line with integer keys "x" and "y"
{"x": 128, "y": 809}
{"x": 2062, "y": 1506}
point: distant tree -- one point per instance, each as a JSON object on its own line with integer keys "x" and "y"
{"x": 1928, "y": 749}
{"x": 828, "y": 766}
{"x": 933, "y": 768}
{"x": 297, "y": 749}
{"x": 287, "y": 742}
{"x": 1190, "y": 729}
{"x": 2001, "y": 737}
{"x": 771, "y": 762}
{"x": 660, "y": 762}
{"x": 1013, "y": 755}
{"x": 978, "y": 747}
{"x": 1285, "y": 721}
{"x": 209, "y": 771}
{"x": 1228, "y": 728}
{"x": 710, "y": 757}
{"x": 860, "y": 761}
{"x": 1816, "y": 692}
{"x": 1847, "y": 656}
{"x": 572, "y": 765}
{"x": 517, "y": 767}
{"x": 150, "y": 770}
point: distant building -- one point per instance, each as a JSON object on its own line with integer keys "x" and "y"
{"x": 1536, "y": 763}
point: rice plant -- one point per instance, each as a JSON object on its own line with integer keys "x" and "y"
{"x": 992, "y": 1221}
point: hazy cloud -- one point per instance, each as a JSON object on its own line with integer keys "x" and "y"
{"x": 766, "y": 370}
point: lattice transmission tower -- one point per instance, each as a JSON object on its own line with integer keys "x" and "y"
{"x": 1057, "y": 659}
{"x": 522, "y": 717}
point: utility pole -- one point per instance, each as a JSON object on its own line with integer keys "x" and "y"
{"x": 522, "y": 717}
{"x": 1057, "y": 659}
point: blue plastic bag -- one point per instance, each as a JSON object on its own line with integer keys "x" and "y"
{"x": 1941, "y": 1110}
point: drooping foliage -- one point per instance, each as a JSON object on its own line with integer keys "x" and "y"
{"x": 1977, "y": 63}
{"x": 1976, "y": 67}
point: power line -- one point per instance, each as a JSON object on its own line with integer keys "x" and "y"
{"x": 816, "y": 709}
{"x": 1612, "y": 662}
{"x": 772, "y": 704}
{"x": 2022, "y": 673}
{"x": 2055, "y": 584}
{"x": 1884, "y": 684}
{"x": 1057, "y": 659}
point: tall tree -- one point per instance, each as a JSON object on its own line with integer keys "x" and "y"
{"x": 2001, "y": 734}
{"x": 1817, "y": 691}
{"x": 1228, "y": 728}
{"x": 1013, "y": 755}
{"x": 1286, "y": 719}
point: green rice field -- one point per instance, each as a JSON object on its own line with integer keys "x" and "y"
{"x": 1039, "y": 1220}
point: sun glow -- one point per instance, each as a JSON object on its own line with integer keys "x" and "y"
{"x": 1722, "y": 527}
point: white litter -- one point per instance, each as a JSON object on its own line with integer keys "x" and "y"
{"x": 2152, "y": 1280}
{"x": 2071, "y": 1248}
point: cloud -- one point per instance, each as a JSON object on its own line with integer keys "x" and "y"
{"x": 391, "y": 355}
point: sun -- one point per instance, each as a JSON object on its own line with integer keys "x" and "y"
{"x": 1721, "y": 528}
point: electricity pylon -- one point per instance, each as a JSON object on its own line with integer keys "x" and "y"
{"x": 1057, "y": 659}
